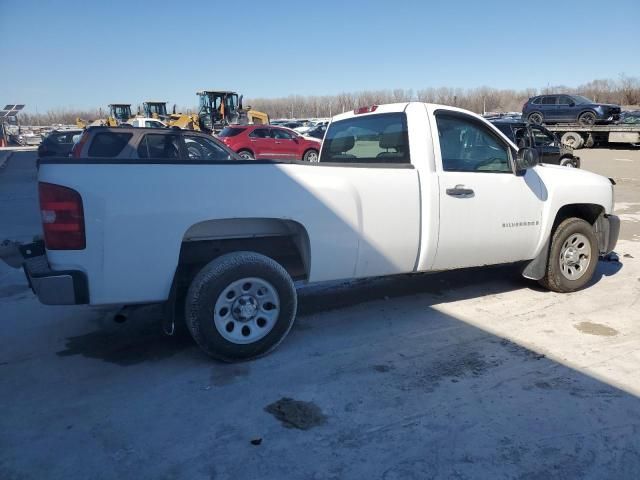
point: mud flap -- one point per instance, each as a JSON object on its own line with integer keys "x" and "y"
{"x": 537, "y": 267}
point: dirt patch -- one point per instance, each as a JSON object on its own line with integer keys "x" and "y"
{"x": 296, "y": 413}
{"x": 591, "y": 328}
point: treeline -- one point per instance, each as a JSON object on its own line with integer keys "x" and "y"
{"x": 623, "y": 91}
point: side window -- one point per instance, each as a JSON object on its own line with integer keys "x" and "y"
{"x": 537, "y": 101}
{"x": 155, "y": 145}
{"x": 108, "y": 144}
{"x": 201, "y": 148}
{"x": 281, "y": 134}
{"x": 542, "y": 138}
{"x": 564, "y": 100}
{"x": 152, "y": 124}
{"x": 260, "y": 133}
{"x": 379, "y": 138}
{"x": 468, "y": 146}
{"x": 549, "y": 100}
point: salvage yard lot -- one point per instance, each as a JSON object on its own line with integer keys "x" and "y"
{"x": 466, "y": 374}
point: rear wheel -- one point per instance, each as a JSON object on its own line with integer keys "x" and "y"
{"x": 567, "y": 162}
{"x": 240, "y": 306}
{"x": 587, "y": 118}
{"x": 246, "y": 155}
{"x": 535, "y": 118}
{"x": 310, "y": 156}
{"x": 573, "y": 256}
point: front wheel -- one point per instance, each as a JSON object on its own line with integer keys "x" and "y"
{"x": 311, "y": 156}
{"x": 573, "y": 256}
{"x": 240, "y": 306}
{"x": 587, "y": 118}
{"x": 568, "y": 162}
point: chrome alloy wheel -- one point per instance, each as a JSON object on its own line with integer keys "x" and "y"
{"x": 246, "y": 310}
{"x": 575, "y": 256}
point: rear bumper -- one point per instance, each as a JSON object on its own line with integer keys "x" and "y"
{"x": 64, "y": 287}
{"x": 607, "y": 231}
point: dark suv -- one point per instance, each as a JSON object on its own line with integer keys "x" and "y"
{"x": 545, "y": 142}
{"x": 58, "y": 143}
{"x": 568, "y": 109}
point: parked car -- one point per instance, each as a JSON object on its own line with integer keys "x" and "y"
{"x": 292, "y": 125}
{"x": 310, "y": 126}
{"x": 316, "y": 132}
{"x": 58, "y": 143}
{"x": 548, "y": 146}
{"x": 568, "y": 109}
{"x": 227, "y": 239}
{"x": 269, "y": 142}
{"x": 146, "y": 122}
{"x": 127, "y": 144}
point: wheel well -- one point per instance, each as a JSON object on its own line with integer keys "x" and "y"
{"x": 587, "y": 211}
{"x": 285, "y": 241}
{"x": 588, "y": 110}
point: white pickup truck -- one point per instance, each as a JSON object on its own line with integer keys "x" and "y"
{"x": 400, "y": 188}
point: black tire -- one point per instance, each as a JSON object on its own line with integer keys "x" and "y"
{"x": 246, "y": 155}
{"x": 572, "y": 139}
{"x": 311, "y": 156}
{"x": 554, "y": 278}
{"x": 568, "y": 162}
{"x": 535, "y": 118}
{"x": 207, "y": 289}
{"x": 587, "y": 118}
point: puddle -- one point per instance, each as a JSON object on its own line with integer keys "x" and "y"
{"x": 596, "y": 329}
{"x": 296, "y": 414}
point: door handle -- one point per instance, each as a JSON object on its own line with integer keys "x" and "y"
{"x": 460, "y": 191}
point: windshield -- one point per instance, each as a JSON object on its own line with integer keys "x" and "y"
{"x": 580, "y": 100}
{"x": 159, "y": 109}
{"x": 121, "y": 112}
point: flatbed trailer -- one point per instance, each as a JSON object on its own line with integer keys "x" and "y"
{"x": 578, "y": 136}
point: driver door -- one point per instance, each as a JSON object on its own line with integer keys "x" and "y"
{"x": 488, "y": 215}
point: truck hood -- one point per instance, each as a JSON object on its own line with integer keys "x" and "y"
{"x": 573, "y": 185}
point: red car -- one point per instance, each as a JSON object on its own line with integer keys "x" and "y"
{"x": 269, "y": 142}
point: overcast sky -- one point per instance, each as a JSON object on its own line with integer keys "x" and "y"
{"x": 78, "y": 54}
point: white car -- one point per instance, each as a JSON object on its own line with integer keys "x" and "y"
{"x": 400, "y": 188}
{"x": 145, "y": 122}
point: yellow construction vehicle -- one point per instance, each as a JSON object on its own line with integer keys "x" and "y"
{"x": 219, "y": 108}
{"x": 181, "y": 120}
{"x": 119, "y": 113}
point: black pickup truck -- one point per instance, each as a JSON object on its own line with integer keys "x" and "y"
{"x": 550, "y": 149}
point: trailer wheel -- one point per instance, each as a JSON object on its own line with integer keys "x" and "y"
{"x": 240, "y": 306}
{"x": 572, "y": 139}
{"x": 535, "y": 118}
{"x": 573, "y": 256}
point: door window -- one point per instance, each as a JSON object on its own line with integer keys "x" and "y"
{"x": 468, "y": 146}
{"x": 260, "y": 133}
{"x": 549, "y": 100}
{"x": 201, "y": 148}
{"x": 108, "y": 144}
{"x": 564, "y": 100}
{"x": 542, "y": 138}
{"x": 154, "y": 145}
{"x": 281, "y": 134}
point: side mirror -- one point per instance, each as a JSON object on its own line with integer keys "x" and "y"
{"x": 525, "y": 159}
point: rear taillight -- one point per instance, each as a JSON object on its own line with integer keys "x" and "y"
{"x": 62, "y": 217}
{"x": 77, "y": 147}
